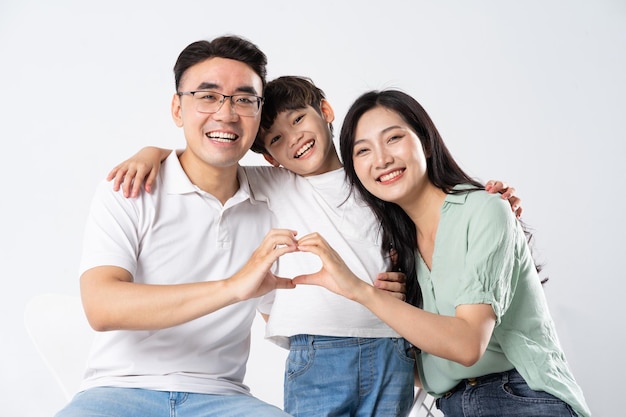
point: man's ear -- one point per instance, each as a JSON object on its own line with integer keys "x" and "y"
{"x": 271, "y": 160}
{"x": 327, "y": 111}
{"x": 177, "y": 111}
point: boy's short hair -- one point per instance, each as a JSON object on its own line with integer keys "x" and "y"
{"x": 289, "y": 92}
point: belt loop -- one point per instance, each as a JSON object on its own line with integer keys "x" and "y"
{"x": 506, "y": 376}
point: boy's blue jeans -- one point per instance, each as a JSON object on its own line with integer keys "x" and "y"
{"x": 348, "y": 376}
{"x": 503, "y": 394}
{"x": 132, "y": 402}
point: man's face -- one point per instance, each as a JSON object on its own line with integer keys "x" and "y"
{"x": 222, "y": 138}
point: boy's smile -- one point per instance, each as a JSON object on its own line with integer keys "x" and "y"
{"x": 304, "y": 149}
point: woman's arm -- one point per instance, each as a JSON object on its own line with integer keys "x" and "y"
{"x": 462, "y": 338}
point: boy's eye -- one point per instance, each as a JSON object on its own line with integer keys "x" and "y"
{"x": 274, "y": 139}
{"x": 298, "y": 119}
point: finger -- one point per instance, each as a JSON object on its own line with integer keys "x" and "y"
{"x": 118, "y": 179}
{"x": 311, "y": 239}
{"x": 392, "y": 277}
{"x": 306, "y": 279}
{"x": 113, "y": 173}
{"x": 138, "y": 179}
{"x": 508, "y": 193}
{"x": 284, "y": 283}
{"x": 394, "y": 287}
{"x": 150, "y": 180}
{"x": 518, "y": 212}
{"x": 128, "y": 181}
{"x": 494, "y": 186}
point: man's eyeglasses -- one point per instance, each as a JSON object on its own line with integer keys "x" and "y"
{"x": 211, "y": 102}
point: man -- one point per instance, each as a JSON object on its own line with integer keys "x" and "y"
{"x": 164, "y": 276}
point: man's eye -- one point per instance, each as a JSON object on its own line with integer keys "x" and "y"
{"x": 246, "y": 100}
{"x": 207, "y": 97}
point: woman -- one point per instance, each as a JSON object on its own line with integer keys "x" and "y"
{"x": 487, "y": 343}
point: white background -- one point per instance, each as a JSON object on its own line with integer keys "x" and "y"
{"x": 532, "y": 92}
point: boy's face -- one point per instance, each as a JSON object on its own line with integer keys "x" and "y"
{"x": 300, "y": 140}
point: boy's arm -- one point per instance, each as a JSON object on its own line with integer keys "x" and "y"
{"x": 141, "y": 168}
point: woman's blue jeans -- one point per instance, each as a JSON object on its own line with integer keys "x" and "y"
{"x": 348, "y": 376}
{"x": 504, "y": 394}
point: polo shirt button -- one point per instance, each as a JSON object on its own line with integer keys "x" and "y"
{"x": 472, "y": 381}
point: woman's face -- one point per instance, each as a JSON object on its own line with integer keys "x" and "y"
{"x": 388, "y": 156}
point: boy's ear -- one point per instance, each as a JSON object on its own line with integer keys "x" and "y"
{"x": 327, "y": 111}
{"x": 271, "y": 160}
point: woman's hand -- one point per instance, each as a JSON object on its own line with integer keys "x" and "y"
{"x": 334, "y": 275}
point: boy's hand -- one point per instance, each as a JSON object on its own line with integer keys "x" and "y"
{"x": 141, "y": 168}
{"x": 393, "y": 282}
{"x": 508, "y": 193}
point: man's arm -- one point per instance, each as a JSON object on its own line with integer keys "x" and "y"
{"x": 112, "y": 301}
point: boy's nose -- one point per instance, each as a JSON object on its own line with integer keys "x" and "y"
{"x": 295, "y": 138}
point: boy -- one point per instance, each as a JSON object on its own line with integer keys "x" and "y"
{"x": 342, "y": 359}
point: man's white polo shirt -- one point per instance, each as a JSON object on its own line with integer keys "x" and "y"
{"x": 175, "y": 234}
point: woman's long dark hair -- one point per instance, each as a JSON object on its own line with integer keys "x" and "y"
{"x": 398, "y": 230}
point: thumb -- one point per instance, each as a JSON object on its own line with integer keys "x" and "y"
{"x": 305, "y": 279}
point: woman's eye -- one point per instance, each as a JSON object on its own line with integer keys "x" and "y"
{"x": 360, "y": 151}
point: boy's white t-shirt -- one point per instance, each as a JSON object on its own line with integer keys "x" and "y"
{"x": 321, "y": 203}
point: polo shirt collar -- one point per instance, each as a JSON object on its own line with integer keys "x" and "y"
{"x": 176, "y": 181}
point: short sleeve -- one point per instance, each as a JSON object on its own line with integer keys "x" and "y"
{"x": 490, "y": 258}
{"x": 266, "y": 302}
{"x": 110, "y": 236}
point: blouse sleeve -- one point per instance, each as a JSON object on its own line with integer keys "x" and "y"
{"x": 490, "y": 259}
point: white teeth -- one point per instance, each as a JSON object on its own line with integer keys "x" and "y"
{"x": 222, "y": 136}
{"x": 389, "y": 176}
{"x": 305, "y": 148}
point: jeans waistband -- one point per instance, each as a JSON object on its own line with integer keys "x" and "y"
{"x": 302, "y": 340}
{"x": 472, "y": 382}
